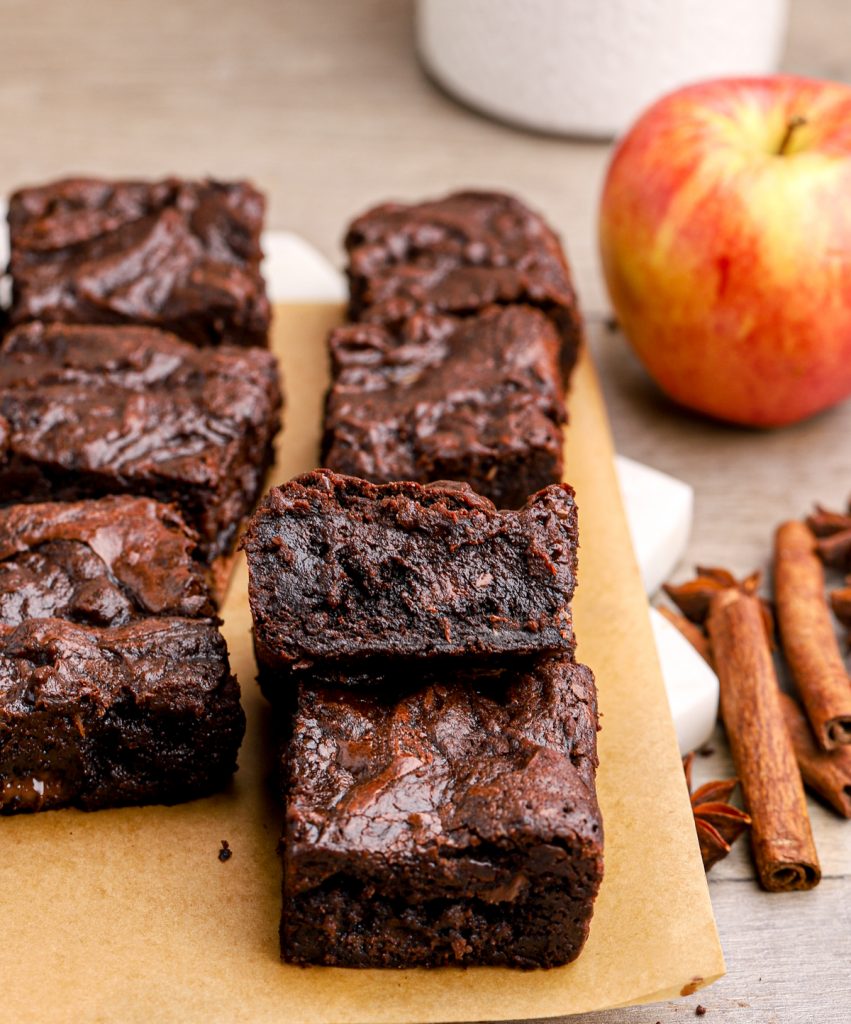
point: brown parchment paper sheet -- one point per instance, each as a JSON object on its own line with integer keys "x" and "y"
{"x": 129, "y": 916}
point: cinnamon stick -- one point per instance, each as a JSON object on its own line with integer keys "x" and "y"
{"x": 693, "y": 633}
{"x": 782, "y": 840}
{"x": 827, "y": 773}
{"x": 807, "y": 634}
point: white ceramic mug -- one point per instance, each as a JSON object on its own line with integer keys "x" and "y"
{"x": 588, "y": 67}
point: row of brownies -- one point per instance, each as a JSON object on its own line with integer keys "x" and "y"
{"x": 138, "y": 408}
{"x": 411, "y": 608}
{"x": 439, "y": 739}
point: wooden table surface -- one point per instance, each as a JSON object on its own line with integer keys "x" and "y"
{"x": 324, "y": 106}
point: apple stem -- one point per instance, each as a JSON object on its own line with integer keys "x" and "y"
{"x": 791, "y": 126}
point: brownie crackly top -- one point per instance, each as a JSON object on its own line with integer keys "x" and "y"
{"x": 101, "y": 562}
{"x": 457, "y": 255}
{"x": 446, "y": 791}
{"x": 342, "y": 571}
{"x": 145, "y": 712}
{"x": 44, "y": 661}
{"x": 86, "y": 411}
{"x": 478, "y": 399}
{"x": 181, "y": 255}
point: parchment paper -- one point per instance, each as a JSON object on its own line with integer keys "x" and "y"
{"x": 129, "y": 916}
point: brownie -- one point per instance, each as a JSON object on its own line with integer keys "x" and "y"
{"x": 477, "y": 399}
{"x": 101, "y": 562}
{"x": 183, "y": 256}
{"x": 147, "y": 712}
{"x": 457, "y": 255}
{"x": 87, "y": 411}
{"x": 350, "y": 580}
{"x": 455, "y": 824}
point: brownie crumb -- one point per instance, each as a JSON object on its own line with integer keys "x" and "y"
{"x": 226, "y": 852}
{"x": 699, "y": 1011}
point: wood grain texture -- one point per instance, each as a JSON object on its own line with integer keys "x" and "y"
{"x": 324, "y": 106}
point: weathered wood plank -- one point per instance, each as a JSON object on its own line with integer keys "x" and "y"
{"x": 788, "y": 961}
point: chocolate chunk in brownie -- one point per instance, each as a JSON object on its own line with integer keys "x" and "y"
{"x": 183, "y": 256}
{"x": 477, "y": 399}
{"x": 89, "y": 411}
{"x": 102, "y": 562}
{"x": 455, "y": 824}
{"x": 147, "y": 712}
{"x": 347, "y": 579}
{"x": 457, "y": 255}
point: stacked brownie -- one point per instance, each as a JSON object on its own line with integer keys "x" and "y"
{"x": 138, "y": 408}
{"x": 439, "y": 748}
{"x": 466, "y": 328}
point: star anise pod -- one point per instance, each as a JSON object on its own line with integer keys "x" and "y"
{"x": 835, "y": 550}
{"x": 833, "y": 533}
{"x": 694, "y": 596}
{"x": 824, "y": 523}
{"x": 840, "y": 601}
{"x": 718, "y": 823}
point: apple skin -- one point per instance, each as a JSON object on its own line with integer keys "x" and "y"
{"x": 728, "y": 263}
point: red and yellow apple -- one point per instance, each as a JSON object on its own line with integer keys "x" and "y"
{"x": 725, "y": 232}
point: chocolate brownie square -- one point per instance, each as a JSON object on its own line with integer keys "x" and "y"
{"x": 457, "y": 255}
{"x": 441, "y": 398}
{"x": 352, "y": 581}
{"x": 183, "y": 256}
{"x": 453, "y": 824}
{"x": 87, "y": 411}
{"x": 146, "y": 712}
{"x": 102, "y": 562}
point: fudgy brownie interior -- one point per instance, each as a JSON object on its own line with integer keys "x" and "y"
{"x": 347, "y": 577}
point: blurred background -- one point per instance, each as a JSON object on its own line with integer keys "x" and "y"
{"x": 324, "y": 104}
